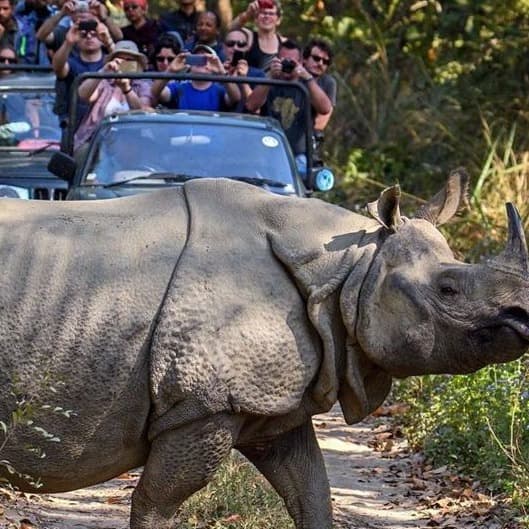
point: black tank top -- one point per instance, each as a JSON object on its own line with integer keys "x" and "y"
{"x": 258, "y": 58}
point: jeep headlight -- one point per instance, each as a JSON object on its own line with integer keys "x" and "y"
{"x": 13, "y": 192}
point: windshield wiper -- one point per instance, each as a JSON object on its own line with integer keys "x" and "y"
{"x": 258, "y": 181}
{"x": 167, "y": 176}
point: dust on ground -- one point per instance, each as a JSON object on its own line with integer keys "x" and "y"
{"x": 376, "y": 483}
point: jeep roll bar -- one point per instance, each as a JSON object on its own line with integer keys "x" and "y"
{"x": 70, "y": 130}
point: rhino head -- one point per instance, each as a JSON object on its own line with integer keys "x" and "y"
{"x": 422, "y": 311}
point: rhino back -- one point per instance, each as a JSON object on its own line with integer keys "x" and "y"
{"x": 80, "y": 286}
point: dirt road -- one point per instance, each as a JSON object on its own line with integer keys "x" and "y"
{"x": 376, "y": 484}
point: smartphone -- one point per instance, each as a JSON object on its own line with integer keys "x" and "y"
{"x": 128, "y": 67}
{"x": 266, "y": 4}
{"x": 196, "y": 60}
{"x": 237, "y": 56}
{"x": 88, "y": 25}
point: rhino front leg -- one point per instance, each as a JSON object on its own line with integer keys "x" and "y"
{"x": 293, "y": 464}
{"x": 180, "y": 462}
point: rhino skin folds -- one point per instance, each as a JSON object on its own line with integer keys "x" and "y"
{"x": 181, "y": 324}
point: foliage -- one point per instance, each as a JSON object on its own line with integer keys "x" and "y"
{"x": 237, "y": 498}
{"x": 478, "y": 423}
{"x": 27, "y": 411}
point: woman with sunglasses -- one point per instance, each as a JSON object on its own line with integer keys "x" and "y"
{"x": 236, "y": 63}
{"x": 264, "y": 42}
{"x": 169, "y": 45}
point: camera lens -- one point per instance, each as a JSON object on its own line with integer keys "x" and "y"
{"x": 287, "y": 65}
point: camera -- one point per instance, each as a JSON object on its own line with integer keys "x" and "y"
{"x": 196, "y": 60}
{"x": 81, "y": 5}
{"x": 128, "y": 66}
{"x": 288, "y": 65}
{"x": 88, "y": 25}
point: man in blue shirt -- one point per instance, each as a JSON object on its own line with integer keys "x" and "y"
{"x": 81, "y": 51}
{"x": 196, "y": 95}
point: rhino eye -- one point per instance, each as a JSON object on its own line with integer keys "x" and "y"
{"x": 448, "y": 290}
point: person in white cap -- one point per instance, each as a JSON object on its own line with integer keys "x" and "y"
{"x": 196, "y": 95}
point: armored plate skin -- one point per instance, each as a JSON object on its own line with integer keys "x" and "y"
{"x": 180, "y": 324}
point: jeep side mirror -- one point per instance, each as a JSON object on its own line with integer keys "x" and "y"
{"x": 63, "y": 166}
{"x": 323, "y": 178}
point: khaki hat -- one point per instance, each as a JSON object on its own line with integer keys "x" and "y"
{"x": 127, "y": 47}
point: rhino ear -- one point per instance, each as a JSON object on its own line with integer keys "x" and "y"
{"x": 445, "y": 204}
{"x": 386, "y": 209}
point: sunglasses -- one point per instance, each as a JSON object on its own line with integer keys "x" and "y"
{"x": 87, "y": 34}
{"x": 318, "y": 58}
{"x": 268, "y": 13}
{"x": 161, "y": 58}
{"x": 128, "y": 7}
{"x": 8, "y": 60}
{"x": 238, "y": 43}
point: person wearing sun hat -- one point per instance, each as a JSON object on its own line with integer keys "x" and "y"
{"x": 144, "y": 31}
{"x": 113, "y": 96}
{"x": 196, "y": 95}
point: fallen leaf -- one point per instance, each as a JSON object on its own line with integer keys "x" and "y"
{"x": 232, "y": 518}
{"x": 112, "y": 500}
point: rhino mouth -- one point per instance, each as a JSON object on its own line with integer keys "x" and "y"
{"x": 509, "y": 330}
{"x": 517, "y": 319}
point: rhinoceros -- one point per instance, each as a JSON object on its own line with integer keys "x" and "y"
{"x": 182, "y": 324}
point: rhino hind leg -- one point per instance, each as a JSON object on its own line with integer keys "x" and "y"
{"x": 294, "y": 466}
{"x": 180, "y": 462}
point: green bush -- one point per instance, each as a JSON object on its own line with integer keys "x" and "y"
{"x": 478, "y": 423}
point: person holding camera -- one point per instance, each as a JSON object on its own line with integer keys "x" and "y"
{"x": 264, "y": 42}
{"x": 53, "y": 30}
{"x": 113, "y": 96}
{"x": 236, "y": 64}
{"x": 288, "y": 104}
{"x": 81, "y": 51}
{"x": 197, "y": 94}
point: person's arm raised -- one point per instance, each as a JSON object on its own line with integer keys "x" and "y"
{"x": 60, "y": 58}
{"x": 160, "y": 93}
{"x": 259, "y": 94}
{"x": 318, "y": 98}
{"x": 246, "y": 16}
{"x": 45, "y": 32}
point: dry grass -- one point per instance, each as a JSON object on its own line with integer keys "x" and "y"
{"x": 238, "y": 498}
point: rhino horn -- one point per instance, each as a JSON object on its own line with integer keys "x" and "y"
{"x": 445, "y": 204}
{"x": 514, "y": 258}
{"x": 386, "y": 209}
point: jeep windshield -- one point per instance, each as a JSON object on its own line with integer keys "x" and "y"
{"x": 171, "y": 152}
{"x": 27, "y": 121}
